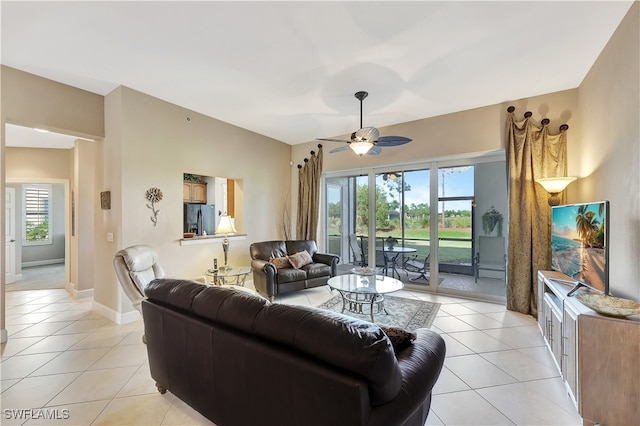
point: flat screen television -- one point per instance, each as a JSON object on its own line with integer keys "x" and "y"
{"x": 580, "y": 244}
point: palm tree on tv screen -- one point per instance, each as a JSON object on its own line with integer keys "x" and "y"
{"x": 586, "y": 224}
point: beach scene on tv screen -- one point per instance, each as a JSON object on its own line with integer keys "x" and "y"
{"x": 578, "y": 242}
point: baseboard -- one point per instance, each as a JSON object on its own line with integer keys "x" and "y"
{"x": 42, "y": 262}
{"x": 117, "y": 317}
{"x": 77, "y": 294}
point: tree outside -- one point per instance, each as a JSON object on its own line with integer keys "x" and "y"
{"x": 457, "y": 224}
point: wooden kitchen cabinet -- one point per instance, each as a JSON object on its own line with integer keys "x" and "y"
{"x": 194, "y": 192}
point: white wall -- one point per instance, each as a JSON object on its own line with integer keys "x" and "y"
{"x": 491, "y": 191}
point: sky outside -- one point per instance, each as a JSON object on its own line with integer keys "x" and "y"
{"x": 563, "y": 221}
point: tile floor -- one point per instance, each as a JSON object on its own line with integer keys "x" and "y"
{"x": 86, "y": 370}
{"x": 39, "y": 278}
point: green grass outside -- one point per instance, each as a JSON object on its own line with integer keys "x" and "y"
{"x": 448, "y": 251}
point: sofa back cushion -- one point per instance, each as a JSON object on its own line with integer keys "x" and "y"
{"x": 267, "y": 250}
{"x": 296, "y": 246}
{"x": 344, "y": 342}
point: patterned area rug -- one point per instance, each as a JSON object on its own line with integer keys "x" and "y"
{"x": 408, "y": 314}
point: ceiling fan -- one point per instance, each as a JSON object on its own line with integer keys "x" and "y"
{"x": 367, "y": 140}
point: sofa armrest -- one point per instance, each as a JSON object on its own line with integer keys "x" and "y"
{"x": 420, "y": 364}
{"x": 328, "y": 259}
{"x": 264, "y": 277}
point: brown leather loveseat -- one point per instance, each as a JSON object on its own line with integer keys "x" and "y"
{"x": 275, "y": 270}
{"x": 240, "y": 360}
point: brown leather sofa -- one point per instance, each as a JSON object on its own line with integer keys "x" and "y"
{"x": 240, "y": 360}
{"x": 270, "y": 280}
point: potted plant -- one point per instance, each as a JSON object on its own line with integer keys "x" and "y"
{"x": 391, "y": 242}
{"x": 490, "y": 220}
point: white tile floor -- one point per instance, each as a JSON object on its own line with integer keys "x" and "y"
{"x": 86, "y": 370}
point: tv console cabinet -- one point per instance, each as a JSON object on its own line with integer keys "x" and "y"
{"x": 598, "y": 356}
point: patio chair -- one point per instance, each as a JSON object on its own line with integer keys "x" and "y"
{"x": 417, "y": 265}
{"x": 491, "y": 256}
{"x": 382, "y": 258}
{"x": 358, "y": 252}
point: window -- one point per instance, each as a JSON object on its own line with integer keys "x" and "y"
{"x": 37, "y": 216}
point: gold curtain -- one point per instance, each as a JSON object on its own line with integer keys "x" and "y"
{"x": 532, "y": 153}
{"x": 309, "y": 196}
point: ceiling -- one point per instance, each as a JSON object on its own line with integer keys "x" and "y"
{"x": 289, "y": 70}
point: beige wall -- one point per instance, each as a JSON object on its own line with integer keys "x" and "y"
{"x": 463, "y": 133}
{"x": 151, "y": 143}
{"x": 606, "y": 157}
{"x": 460, "y": 135}
{"x": 473, "y": 131}
{"x": 30, "y": 164}
{"x": 29, "y": 100}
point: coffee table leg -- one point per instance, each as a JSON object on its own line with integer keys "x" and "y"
{"x": 373, "y": 300}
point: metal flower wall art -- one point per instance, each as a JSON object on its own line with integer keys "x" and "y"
{"x": 154, "y": 195}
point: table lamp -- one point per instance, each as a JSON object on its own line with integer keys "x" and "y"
{"x": 225, "y": 227}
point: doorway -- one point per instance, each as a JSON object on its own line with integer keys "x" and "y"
{"x": 39, "y": 256}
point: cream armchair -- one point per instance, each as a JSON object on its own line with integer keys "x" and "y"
{"x": 136, "y": 267}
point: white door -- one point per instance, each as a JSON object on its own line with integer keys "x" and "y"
{"x": 10, "y": 236}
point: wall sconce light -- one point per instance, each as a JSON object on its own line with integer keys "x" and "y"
{"x": 225, "y": 227}
{"x": 554, "y": 186}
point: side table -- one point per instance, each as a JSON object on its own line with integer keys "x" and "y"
{"x": 233, "y": 275}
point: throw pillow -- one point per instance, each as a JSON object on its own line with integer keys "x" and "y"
{"x": 400, "y": 338}
{"x": 280, "y": 262}
{"x": 300, "y": 259}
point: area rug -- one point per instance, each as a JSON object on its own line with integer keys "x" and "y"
{"x": 408, "y": 314}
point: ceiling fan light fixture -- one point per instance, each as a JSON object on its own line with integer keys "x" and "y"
{"x": 361, "y": 147}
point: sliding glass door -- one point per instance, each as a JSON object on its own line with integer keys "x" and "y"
{"x": 346, "y": 216}
{"x": 391, "y": 218}
{"x": 456, "y": 200}
{"x": 402, "y": 220}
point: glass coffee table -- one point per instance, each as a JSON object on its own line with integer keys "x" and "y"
{"x": 233, "y": 275}
{"x": 358, "y": 291}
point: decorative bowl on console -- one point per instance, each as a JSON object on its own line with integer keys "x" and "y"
{"x": 610, "y": 305}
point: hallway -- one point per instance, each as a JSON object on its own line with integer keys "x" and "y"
{"x": 45, "y": 277}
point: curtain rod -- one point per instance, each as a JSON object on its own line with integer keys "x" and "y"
{"x": 544, "y": 122}
{"x": 306, "y": 160}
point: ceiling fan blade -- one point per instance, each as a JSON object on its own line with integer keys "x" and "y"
{"x": 342, "y": 148}
{"x": 333, "y": 140}
{"x": 374, "y": 150}
{"x": 392, "y": 141}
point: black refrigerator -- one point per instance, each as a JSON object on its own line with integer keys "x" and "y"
{"x": 199, "y": 218}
